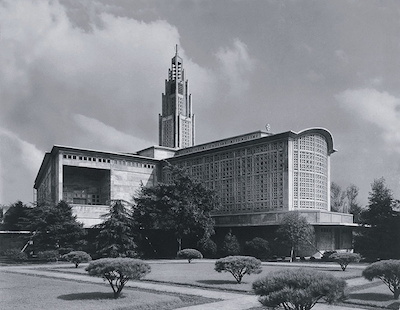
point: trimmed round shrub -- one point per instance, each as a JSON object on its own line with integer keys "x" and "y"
{"x": 298, "y": 289}
{"x": 15, "y": 255}
{"x": 118, "y": 271}
{"x": 238, "y": 266}
{"x": 77, "y": 257}
{"x": 388, "y": 271}
{"x": 257, "y": 247}
{"x": 326, "y": 257}
{"x": 345, "y": 258}
{"x": 189, "y": 254}
{"x": 48, "y": 256}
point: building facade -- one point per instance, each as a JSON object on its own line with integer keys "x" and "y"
{"x": 259, "y": 176}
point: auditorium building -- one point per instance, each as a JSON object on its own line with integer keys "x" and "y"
{"x": 259, "y": 176}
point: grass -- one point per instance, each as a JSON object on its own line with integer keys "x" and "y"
{"x": 202, "y": 274}
{"x": 46, "y": 293}
{"x": 28, "y": 292}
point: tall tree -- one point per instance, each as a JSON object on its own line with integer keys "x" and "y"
{"x": 379, "y": 238}
{"x": 354, "y": 208}
{"x": 295, "y": 231}
{"x": 15, "y": 217}
{"x": 116, "y": 237}
{"x": 338, "y": 198}
{"x": 182, "y": 206}
{"x": 54, "y": 226}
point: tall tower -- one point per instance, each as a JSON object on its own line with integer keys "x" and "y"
{"x": 176, "y": 123}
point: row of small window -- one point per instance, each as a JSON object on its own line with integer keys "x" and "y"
{"x": 100, "y": 160}
{"x": 104, "y": 160}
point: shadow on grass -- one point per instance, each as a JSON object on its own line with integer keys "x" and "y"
{"x": 216, "y": 282}
{"x": 88, "y": 296}
{"x": 371, "y": 296}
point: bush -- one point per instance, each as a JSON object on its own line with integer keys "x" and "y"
{"x": 231, "y": 245}
{"x": 327, "y": 256}
{"x": 298, "y": 289}
{"x": 343, "y": 259}
{"x": 238, "y": 266}
{"x": 15, "y": 255}
{"x": 77, "y": 257}
{"x": 189, "y": 254}
{"x": 208, "y": 247}
{"x": 388, "y": 271}
{"x": 48, "y": 256}
{"x": 257, "y": 247}
{"x": 118, "y": 271}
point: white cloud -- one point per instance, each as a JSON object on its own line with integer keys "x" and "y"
{"x": 236, "y": 66}
{"x": 19, "y": 163}
{"x": 378, "y": 108}
{"x": 107, "y": 136}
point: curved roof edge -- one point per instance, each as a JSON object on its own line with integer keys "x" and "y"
{"x": 322, "y": 131}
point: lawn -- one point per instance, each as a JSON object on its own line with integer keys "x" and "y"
{"x": 202, "y": 274}
{"x": 28, "y": 292}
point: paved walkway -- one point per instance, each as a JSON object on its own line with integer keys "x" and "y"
{"x": 229, "y": 301}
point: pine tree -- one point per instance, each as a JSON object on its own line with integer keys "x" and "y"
{"x": 379, "y": 236}
{"x": 54, "y": 227}
{"x": 231, "y": 245}
{"x": 116, "y": 237}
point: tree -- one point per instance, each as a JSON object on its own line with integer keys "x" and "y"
{"x": 182, "y": 206}
{"x": 77, "y": 257}
{"x": 16, "y": 217}
{"x": 295, "y": 231}
{"x": 379, "y": 236}
{"x": 189, "y": 254}
{"x": 257, "y": 247}
{"x": 116, "y": 236}
{"x": 208, "y": 247}
{"x": 338, "y": 198}
{"x": 238, "y": 266}
{"x": 54, "y": 227}
{"x": 388, "y": 271}
{"x": 354, "y": 208}
{"x": 230, "y": 245}
{"x": 118, "y": 271}
{"x": 298, "y": 289}
{"x": 343, "y": 259}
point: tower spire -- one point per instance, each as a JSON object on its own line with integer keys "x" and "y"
{"x": 176, "y": 122}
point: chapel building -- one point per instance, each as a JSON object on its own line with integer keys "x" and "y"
{"x": 258, "y": 176}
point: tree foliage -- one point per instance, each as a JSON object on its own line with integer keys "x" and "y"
{"x": 77, "y": 257}
{"x": 189, "y": 254}
{"x": 338, "y": 198}
{"x": 118, "y": 271}
{"x": 182, "y": 206}
{"x": 116, "y": 236}
{"x": 230, "y": 245}
{"x": 379, "y": 236}
{"x": 16, "y": 217}
{"x": 257, "y": 247}
{"x": 54, "y": 226}
{"x": 298, "y": 289}
{"x": 345, "y": 258}
{"x": 354, "y": 207}
{"x": 238, "y": 266}
{"x": 208, "y": 247}
{"x": 295, "y": 231}
{"x": 388, "y": 271}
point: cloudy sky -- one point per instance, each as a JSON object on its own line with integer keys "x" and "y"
{"x": 90, "y": 74}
